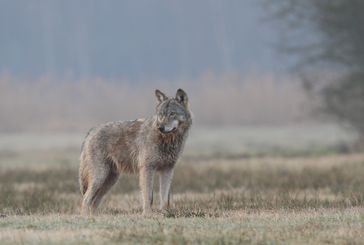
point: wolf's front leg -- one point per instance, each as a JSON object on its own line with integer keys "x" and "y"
{"x": 165, "y": 180}
{"x": 146, "y": 185}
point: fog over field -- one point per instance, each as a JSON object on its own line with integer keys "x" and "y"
{"x": 135, "y": 40}
{"x": 229, "y": 99}
{"x": 275, "y": 151}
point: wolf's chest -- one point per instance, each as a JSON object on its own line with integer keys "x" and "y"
{"x": 169, "y": 152}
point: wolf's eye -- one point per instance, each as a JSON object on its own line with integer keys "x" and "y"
{"x": 172, "y": 114}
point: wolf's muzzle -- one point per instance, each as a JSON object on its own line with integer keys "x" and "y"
{"x": 165, "y": 130}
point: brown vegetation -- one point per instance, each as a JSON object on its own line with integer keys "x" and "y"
{"x": 45, "y": 104}
{"x": 202, "y": 187}
{"x": 254, "y": 200}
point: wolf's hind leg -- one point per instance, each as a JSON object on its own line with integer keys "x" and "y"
{"x": 99, "y": 185}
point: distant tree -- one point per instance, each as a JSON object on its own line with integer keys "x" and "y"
{"x": 327, "y": 35}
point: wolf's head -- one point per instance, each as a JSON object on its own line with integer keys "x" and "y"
{"x": 173, "y": 114}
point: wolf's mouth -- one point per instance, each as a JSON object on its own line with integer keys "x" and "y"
{"x": 168, "y": 128}
{"x": 164, "y": 131}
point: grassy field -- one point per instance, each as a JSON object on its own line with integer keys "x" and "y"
{"x": 231, "y": 198}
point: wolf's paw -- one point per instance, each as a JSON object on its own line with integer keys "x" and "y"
{"x": 167, "y": 213}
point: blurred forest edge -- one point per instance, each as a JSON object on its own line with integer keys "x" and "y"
{"x": 220, "y": 100}
{"x": 327, "y": 38}
{"x": 132, "y": 39}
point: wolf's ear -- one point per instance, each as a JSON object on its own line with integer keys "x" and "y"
{"x": 160, "y": 96}
{"x": 181, "y": 97}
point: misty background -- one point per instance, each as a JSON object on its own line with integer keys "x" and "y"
{"x": 68, "y": 65}
{"x": 134, "y": 40}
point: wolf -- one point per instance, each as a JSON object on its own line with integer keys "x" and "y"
{"x": 144, "y": 146}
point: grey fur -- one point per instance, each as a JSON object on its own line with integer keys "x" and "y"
{"x": 142, "y": 146}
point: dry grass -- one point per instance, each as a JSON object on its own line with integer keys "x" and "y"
{"x": 262, "y": 227}
{"x": 221, "y": 201}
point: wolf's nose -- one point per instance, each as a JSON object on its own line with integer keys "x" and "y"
{"x": 161, "y": 128}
